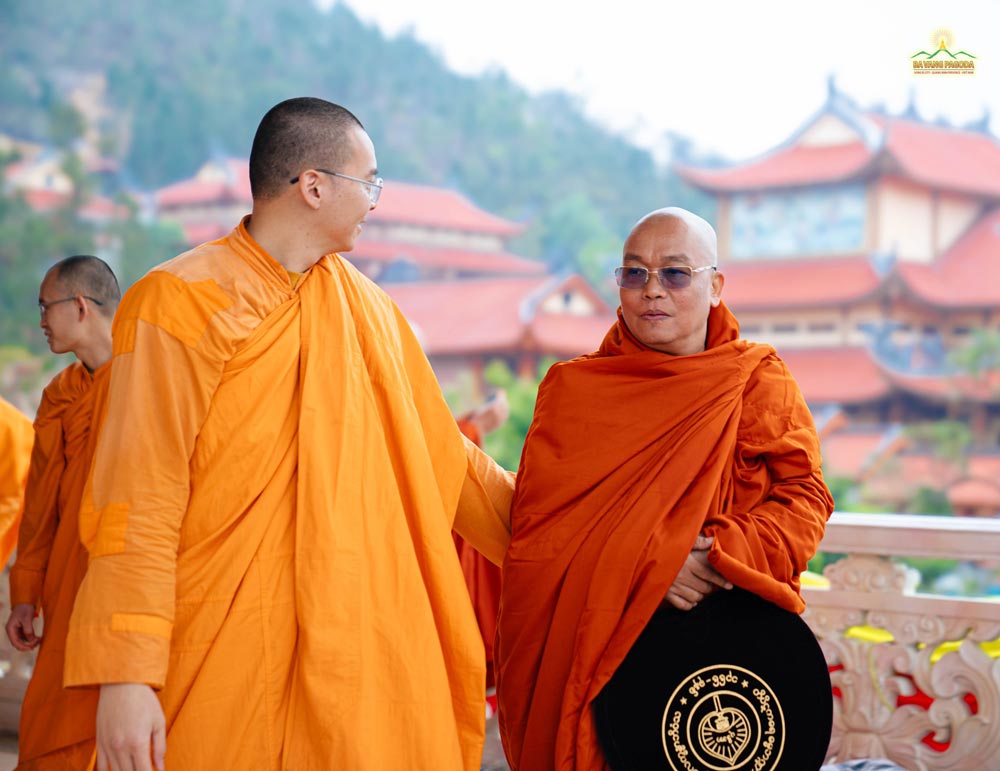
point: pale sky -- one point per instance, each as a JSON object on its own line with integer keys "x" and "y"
{"x": 735, "y": 76}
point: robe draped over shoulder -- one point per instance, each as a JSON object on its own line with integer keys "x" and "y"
{"x": 56, "y": 723}
{"x": 631, "y": 454}
{"x": 269, "y": 523}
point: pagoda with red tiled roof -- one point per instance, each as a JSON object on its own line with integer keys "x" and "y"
{"x": 866, "y": 248}
{"x": 447, "y": 264}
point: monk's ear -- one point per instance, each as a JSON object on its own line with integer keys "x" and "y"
{"x": 718, "y": 281}
{"x": 308, "y": 188}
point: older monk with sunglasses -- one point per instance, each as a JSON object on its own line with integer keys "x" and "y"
{"x": 675, "y": 461}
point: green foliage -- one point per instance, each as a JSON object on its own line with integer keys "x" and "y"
{"x": 505, "y": 444}
{"x": 948, "y": 439}
{"x": 981, "y": 353}
{"x": 928, "y": 500}
{"x": 192, "y": 78}
{"x": 29, "y": 244}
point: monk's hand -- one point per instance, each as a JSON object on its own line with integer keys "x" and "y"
{"x": 21, "y": 627}
{"x": 697, "y": 578}
{"x": 130, "y": 728}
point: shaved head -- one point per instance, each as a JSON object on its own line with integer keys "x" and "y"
{"x": 83, "y": 274}
{"x": 698, "y": 230}
{"x": 295, "y": 135}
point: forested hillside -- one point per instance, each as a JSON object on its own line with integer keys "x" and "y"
{"x": 190, "y": 79}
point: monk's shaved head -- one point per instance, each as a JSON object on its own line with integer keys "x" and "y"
{"x": 295, "y": 135}
{"x": 83, "y": 274}
{"x": 698, "y": 229}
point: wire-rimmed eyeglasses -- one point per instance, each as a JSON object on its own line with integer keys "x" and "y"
{"x": 44, "y": 306}
{"x": 374, "y": 187}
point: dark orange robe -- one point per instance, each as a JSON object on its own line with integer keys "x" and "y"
{"x": 16, "y": 438}
{"x": 630, "y": 455}
{"x": 56, "y": 723}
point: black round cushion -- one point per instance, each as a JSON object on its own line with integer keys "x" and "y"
{"x": 735, "y": 684}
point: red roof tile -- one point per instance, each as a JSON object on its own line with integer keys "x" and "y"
{"x": 766, "y": 284}
{"x": 966, "y": 275}
{"x": 484, "y": 315}
{"x": 848, "y": 453}
{"x": 975, "y": 492}
{"x": 785, "y": 167}
{"x": 437, "y": 257}
{"x": 947, "y": 388}
{"x": 944, "y": 158}
{"x": 204, "y": 232}
{"x": 568, "y": 336}
{"x": 45, "y": 200}
{"x": 101, "y": 209}
{"x": 836, "y": 375}
{"x": 939, "y": 157}
{"x": 437, "y": 207}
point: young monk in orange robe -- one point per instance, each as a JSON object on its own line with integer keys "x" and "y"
{"x": 272, "y": 581}
{"x": 77, "y": 299}
{"x": 16, "y": 438}
{"x": 675, "y": 461}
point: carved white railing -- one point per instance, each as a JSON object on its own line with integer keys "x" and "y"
{"x": 903, "y": 699}
{"x": 898, "y": 700}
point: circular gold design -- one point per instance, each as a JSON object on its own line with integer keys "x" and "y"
{"x": 723, "y": 718}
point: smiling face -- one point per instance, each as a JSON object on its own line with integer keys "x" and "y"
{"x": 351, "y": 202}
{"x": 673, "y": 321}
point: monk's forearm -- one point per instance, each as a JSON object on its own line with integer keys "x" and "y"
{"x": 483, "y": 515}
{"x": 774, "y": 540}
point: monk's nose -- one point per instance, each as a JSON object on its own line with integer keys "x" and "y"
{"x": 653, "y": 287}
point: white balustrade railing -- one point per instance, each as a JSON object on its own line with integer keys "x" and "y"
{"x": 911, "y": 697}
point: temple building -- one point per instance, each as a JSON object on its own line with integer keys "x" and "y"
{"x": 866, "y": 249}
{"x": 444, "y": 261}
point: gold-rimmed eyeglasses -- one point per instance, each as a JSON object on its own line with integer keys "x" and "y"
{"x": 671, "y": 277}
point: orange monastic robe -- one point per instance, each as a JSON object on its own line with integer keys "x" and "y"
{"x": 57, "y": 724}
{"x": 481, "y": 576}
{"x": 631, "y": 454}
{"x": 16, "y": 438}
{"x": 269, "y": 522}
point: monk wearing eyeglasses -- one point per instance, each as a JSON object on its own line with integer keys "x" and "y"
{"x": 273, "y": 583}
{"x": 675, "y": 461}
{"x": 77, "y": 300}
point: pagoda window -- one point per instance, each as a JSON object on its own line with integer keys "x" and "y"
{"x": 807, "y": 222}
{"x": 784, "y": 329}
{"x": 822, "y": 326}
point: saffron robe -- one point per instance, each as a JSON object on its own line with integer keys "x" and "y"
{"x": 16, "y": 438}
{"x": 269, "y": 522}
{"x": 50, "y": 565}
{"x": 481, "y": 576}
{"x": 631, "y": 454}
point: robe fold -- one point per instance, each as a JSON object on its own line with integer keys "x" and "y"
{"x": 16, "y": 438}
{"x": 269, "y": 523}
{"x": 51, "y": 563}
{"x": 631, "y": 454}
